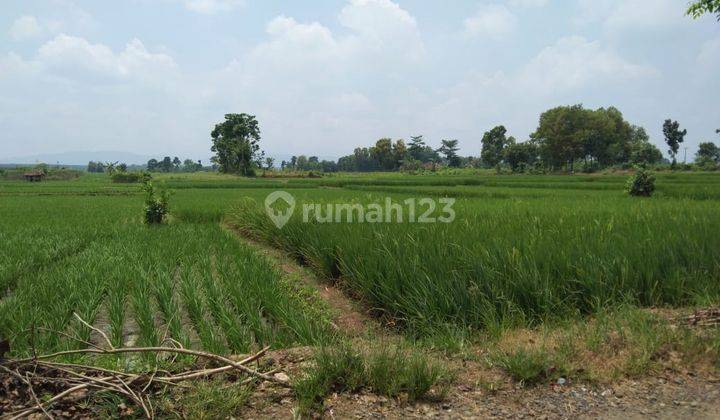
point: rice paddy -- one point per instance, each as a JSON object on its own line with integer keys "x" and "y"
{"x": 524, "y": 252}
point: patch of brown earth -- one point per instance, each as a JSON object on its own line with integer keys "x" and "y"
{"x": 347, "y": 316}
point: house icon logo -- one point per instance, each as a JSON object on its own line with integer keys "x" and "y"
{"x": 279, "y": 206}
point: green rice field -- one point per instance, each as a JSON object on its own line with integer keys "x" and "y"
{"x": 522, "y": 250}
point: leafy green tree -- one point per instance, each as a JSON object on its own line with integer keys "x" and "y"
{"x": 328, "y": 166}
{"x": 645, "y": 154}
{"x": 418, "y": 150}
{"x": 96, "y": 167}
{"x": 449, "y": 150}
{"x": 606, "y": 137}
{"x": 166, "y": 164}
{"x": 176, "y": 163}
{"x": 521, "y": 156}
{"x": 152, "y": 165}
{"x": 416, "y": 146}
{"x": 400, "y": 152}
{"x": 599, "y": 137}
{"x": 364, "y": 161}
{"x": 302, "y": 163}
{"x": 236, "y": 144}
{"x": 560, "y": 135}
{"x": 269, "y": 163}
{"x": 708, "y": 154}
{"x": 110, "y": 167}
{"x": 699, "y": 7}
{"x": 347, "y": 164}
{"x": 642, "y": 152}
{"x": 382, "y": 154}
{"x": 190, "y": 165}
{"x": 673, "y": 137}
{"x": 493, "y": 146}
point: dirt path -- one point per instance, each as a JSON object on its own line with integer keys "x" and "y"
{"x": 347, "y": 315}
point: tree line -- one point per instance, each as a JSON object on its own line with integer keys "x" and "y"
{"x": 568, "y": 138}
{"x": 167, "y": 164}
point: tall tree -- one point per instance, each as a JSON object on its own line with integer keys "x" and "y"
{"x": 152, "y": 165}
{"x": 302, "y": 163}
{"x": 382, "y": 154}
{"x": 642, "y": 152}
{"x": 166, "y": 164}
{"x": 673, "y": 137}
{"x": 269, "y": 163}
{"x": 520, "y": 156}
{"x": 418, "y": 150}
{"x": 699, "y": 7}
{"x": 449, "y": 150}
{"x": 416, "y": 147}
{"x": 561, "y": 135}
{"x": 708, "y": 153}
{"x": 599, "y": 137}
{"x": 493, "y": 145}
{"x": 236, "y": 144}
{"x": 399, "y": 152}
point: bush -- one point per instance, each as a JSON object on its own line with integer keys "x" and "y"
{"x": 130, "y": 177}
{"x": 641, "y": 184}
{"x": 156, "y": 205}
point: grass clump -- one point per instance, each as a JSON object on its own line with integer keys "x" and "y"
{"x": 389, "y": 372}
{"x": 528, "y": 366}
{"x": 212, "y": 399}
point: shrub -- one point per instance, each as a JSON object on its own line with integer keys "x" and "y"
{"x": 156, "y": 205}
{"x": 130, "y": 177}
{"x": 641, "y": 184}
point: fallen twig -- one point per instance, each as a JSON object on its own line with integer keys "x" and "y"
{"x": 136, "y": 387}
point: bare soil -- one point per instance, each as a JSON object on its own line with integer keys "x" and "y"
{"x": 667, "y": 395}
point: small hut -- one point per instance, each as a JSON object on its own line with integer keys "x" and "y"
{"x": 34, "y": 176}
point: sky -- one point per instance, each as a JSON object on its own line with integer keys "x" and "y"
{"x": 152, "y": 77}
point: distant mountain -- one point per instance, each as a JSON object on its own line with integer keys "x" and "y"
{"x": 80, "y": 158}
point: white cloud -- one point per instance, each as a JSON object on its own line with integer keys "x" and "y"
{"x": 574, "y": 62}
{"x": 494, "y": 21}
{"x": 76, "y": 58}
{"x": 381, "y": 28}
{"x": 213, "y": 6}
{"x": 562, "y": 73}
{"x": 26, "y": 27}
{"x": 306, "y": 78}
{"x": 617, "y": 15}
{"x": 528, "y": 3}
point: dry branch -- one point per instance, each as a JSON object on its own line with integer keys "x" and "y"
{"x": 136, "y": 387}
